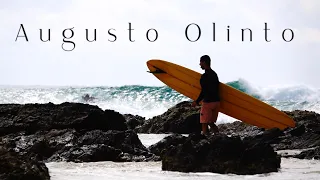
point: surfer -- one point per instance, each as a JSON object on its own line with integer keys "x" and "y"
{"x": 209, "y": 96}
{"x": 87, "y": 97}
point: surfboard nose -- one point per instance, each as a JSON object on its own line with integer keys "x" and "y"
{"x": 152, "y": 61}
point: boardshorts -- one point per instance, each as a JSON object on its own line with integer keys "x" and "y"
{"x": 209, "y": 112}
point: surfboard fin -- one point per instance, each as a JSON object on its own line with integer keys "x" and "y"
{"x": 157, "y": 71}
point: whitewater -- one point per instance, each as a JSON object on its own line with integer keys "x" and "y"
{"x": 149, "y": 101}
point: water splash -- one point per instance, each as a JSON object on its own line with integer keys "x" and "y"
{"x": 149, "y": 101}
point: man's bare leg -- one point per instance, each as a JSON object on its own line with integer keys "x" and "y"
{"x": 204, "y": 128}
{"x": 213, "y": 127}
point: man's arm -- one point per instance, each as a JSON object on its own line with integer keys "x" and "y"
{"x": 200, "y": 97}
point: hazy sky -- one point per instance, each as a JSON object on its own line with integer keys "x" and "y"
{"x": 124, "y": 62}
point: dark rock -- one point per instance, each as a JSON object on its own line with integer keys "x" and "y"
{"x": 182, "y": 119}
{"x": 31, "y": 118}
{"x": 309, "y": 119}
{"x": 70, "y": 145}
{"x": 219, "y": 154}
{"x": 270, "y": 136}
{"x": 238, "y": 128}
{"x": 81, "y": 132}
{"x": 126, "y": 140}
{"x": 259, "y": 158}
{"x": 298, "y": 131}
{"x": 309, "y": 154}
{"x": 134, "y": 121}
{"x": 15, "y": 166}
{"x": 304, "y": 135}
{"x": 307, "y": 140}
{"x": 88, "y": 153}
{"x": 69, "y": 132}
{"x": 172, "y": 140}
{"x": 112, "y": 145}
{"x": 114, "y": 121}
{"x": 42, "y": 144}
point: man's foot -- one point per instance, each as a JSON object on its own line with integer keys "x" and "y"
{"x": 214, "y": 129}
{"x": 205, "y": 134}
{"x": 215, "y": 132}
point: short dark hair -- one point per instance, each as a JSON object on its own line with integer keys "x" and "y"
{"x": 206, "y": 59}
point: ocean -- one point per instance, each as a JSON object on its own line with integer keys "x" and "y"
{"x": 149, "y": 101}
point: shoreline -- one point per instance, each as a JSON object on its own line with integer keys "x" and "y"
{"x": 79, "y": 132}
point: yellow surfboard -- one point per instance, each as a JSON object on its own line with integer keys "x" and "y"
{"x": 234, "y": 103}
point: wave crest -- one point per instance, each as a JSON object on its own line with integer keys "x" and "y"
{"x": 149, "y": 101}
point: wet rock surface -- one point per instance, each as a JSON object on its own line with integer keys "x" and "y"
{"x": 15, "y": 166}
{"x": 69, "y": 132}
{"x": 313, "y": 153}
{"x": 84, "y": 133}
{"x": 134, "y": 121}
{"x": 99, "y": 145}
{"x": 218, "y": 154}
{"x": 305, "y": 135}
{"x": 182, "y": 118}
{"x": 31, "y": 118}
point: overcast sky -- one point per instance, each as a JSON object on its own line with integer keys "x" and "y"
{"x": 121, "y": 62}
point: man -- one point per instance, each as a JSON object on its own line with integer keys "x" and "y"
{"x": 209, "y": 96}
{"x": 87, "y": 97}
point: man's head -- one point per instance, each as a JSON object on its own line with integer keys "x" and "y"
{"x": 205, "y": 62}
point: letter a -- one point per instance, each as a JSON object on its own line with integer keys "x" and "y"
{"x": 24, "y": 32}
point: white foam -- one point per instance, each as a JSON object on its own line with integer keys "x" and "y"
{"x": 151, "y": 101}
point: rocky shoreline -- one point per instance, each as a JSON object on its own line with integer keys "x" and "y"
{"x": 38, "y": 133}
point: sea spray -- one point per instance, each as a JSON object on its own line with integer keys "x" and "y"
{"x": 149, "y": 101}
